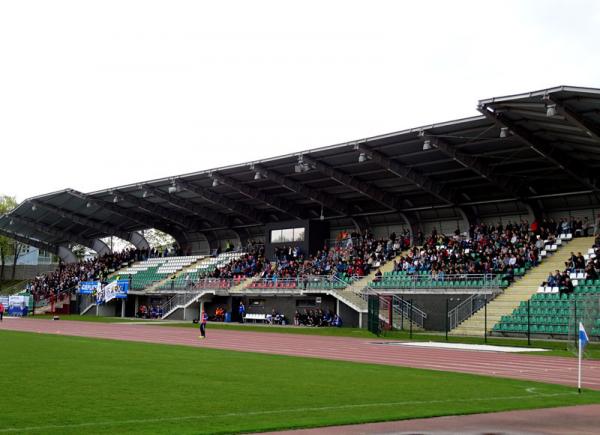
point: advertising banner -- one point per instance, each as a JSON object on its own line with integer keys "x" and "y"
{"x": 89, "y": 287}
{"x": 116, "y": 289}
{"x": 18, "y": 305}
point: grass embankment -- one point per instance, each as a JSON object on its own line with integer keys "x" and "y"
{"x": 9, "y": 287}
{"x": 57, "y": 384}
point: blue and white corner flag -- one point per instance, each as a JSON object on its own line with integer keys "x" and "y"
{"x": 583, "y": 337}
{"x": 583, "y": 340}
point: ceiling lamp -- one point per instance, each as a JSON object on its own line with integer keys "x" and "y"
{"x": 504, "y": 132}
{"x": 215, "y": 182}
{"x": 89, "y": 205}
{"x": 258, "y": 176}
{"x": 551, "y": 110}
{"x": 322, "y": 216}
{"x": 362, "y": 157}
{"x": 116, "y": 199}
{"x": 301, "y": 166}
{"x": 427, "y": 145}
{"x": 33, "y": 207}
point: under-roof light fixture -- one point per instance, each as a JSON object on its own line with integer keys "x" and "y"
{"x": 551, "y": 110}
{"x": 33, "y": 207}
{"x": 146, "y": 194}
{"x": 322, "y": 216}
{"x": 302, "y": 166}
{"x": 427, "y": 145}
{"x": 258, "y": 175}
{"x": 362, "y": 157}
{"x": 215, "y": 182}
{"x": 116, "y": 199}
{"x": 89, "y": 205}
{"x": 504, "y": 132}
{"x": 11, "y": 222}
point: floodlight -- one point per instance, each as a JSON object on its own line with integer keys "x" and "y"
{"x": 551, "y": 110}
{"x": 427, "y": 145}
{"x": 504, "y": 132}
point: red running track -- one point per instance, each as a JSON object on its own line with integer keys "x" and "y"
{"x": 557, "y": 370}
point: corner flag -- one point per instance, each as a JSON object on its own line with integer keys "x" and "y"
{"x": 583, "y": 340}
{"x": 583, "y": 337}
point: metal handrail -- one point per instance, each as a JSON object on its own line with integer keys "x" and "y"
{"x": 405, "y": 310}
{"x": 180, "y": 300}
{"x": 204, "y": 283}
{"x": 299, "y": 282}
{"x": 468, "y": 307}
{"x": 413, "y": 281}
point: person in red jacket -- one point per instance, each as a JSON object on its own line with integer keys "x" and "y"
{"x": 1, "y": 311}
{"x": 203, "y": 320}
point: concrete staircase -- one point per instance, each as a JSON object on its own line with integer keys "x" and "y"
{"x": 351, "y": 294}
{"x": 241, "y": 287}
{"x": 521, "y": 290}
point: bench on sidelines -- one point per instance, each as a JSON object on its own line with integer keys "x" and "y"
{"x": 255, "y": 317}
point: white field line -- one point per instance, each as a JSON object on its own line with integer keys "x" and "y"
{"x": 278, "y": 411}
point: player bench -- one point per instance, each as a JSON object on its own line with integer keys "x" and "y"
{"x": 255, "y": 317}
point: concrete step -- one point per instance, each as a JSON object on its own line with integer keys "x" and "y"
{"x": 523, "y": 289}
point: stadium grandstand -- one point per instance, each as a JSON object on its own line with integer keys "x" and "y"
{"x": 483, "y": 207}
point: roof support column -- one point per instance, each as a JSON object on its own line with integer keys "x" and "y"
{"x": 138, "y": 240}
{"x": 99, "y": 246}
{"x": 412, "y": 226}
{"x": 66, "y": 255}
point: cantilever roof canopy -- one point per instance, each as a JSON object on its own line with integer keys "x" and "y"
{"x": 523, "y": 148}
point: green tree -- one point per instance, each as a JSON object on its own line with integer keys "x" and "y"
{"x": 159, "y": 240}
{"x": 7, "y": 245}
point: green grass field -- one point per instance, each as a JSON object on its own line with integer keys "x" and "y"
{"x": 56, "y": 384}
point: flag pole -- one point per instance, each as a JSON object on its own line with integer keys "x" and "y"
{"x": 579, "y": 371}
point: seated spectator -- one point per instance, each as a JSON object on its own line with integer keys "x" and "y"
{"x": 337, "y": 321}
{"x": 566, "y": 288}
{"x": 378, "y": 276}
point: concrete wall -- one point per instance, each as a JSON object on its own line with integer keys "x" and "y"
{"x": 349, "y": 316}
{"x": 28, "y": 271}
{"x": 435, "y": 307}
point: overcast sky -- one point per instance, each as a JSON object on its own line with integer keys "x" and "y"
{"x": 99, "y": 94}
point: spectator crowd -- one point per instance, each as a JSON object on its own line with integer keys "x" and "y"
{"x": 67, "y": 277}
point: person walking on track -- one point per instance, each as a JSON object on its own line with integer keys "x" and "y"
{"x": 203, "y": 320}
{"x": 1, "y": 311}
{"x": 241, "y": 311}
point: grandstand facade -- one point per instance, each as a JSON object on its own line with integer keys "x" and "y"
{"x": 525, "y": 157}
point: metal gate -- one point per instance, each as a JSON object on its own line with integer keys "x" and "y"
{"x": 373, "y": 315}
